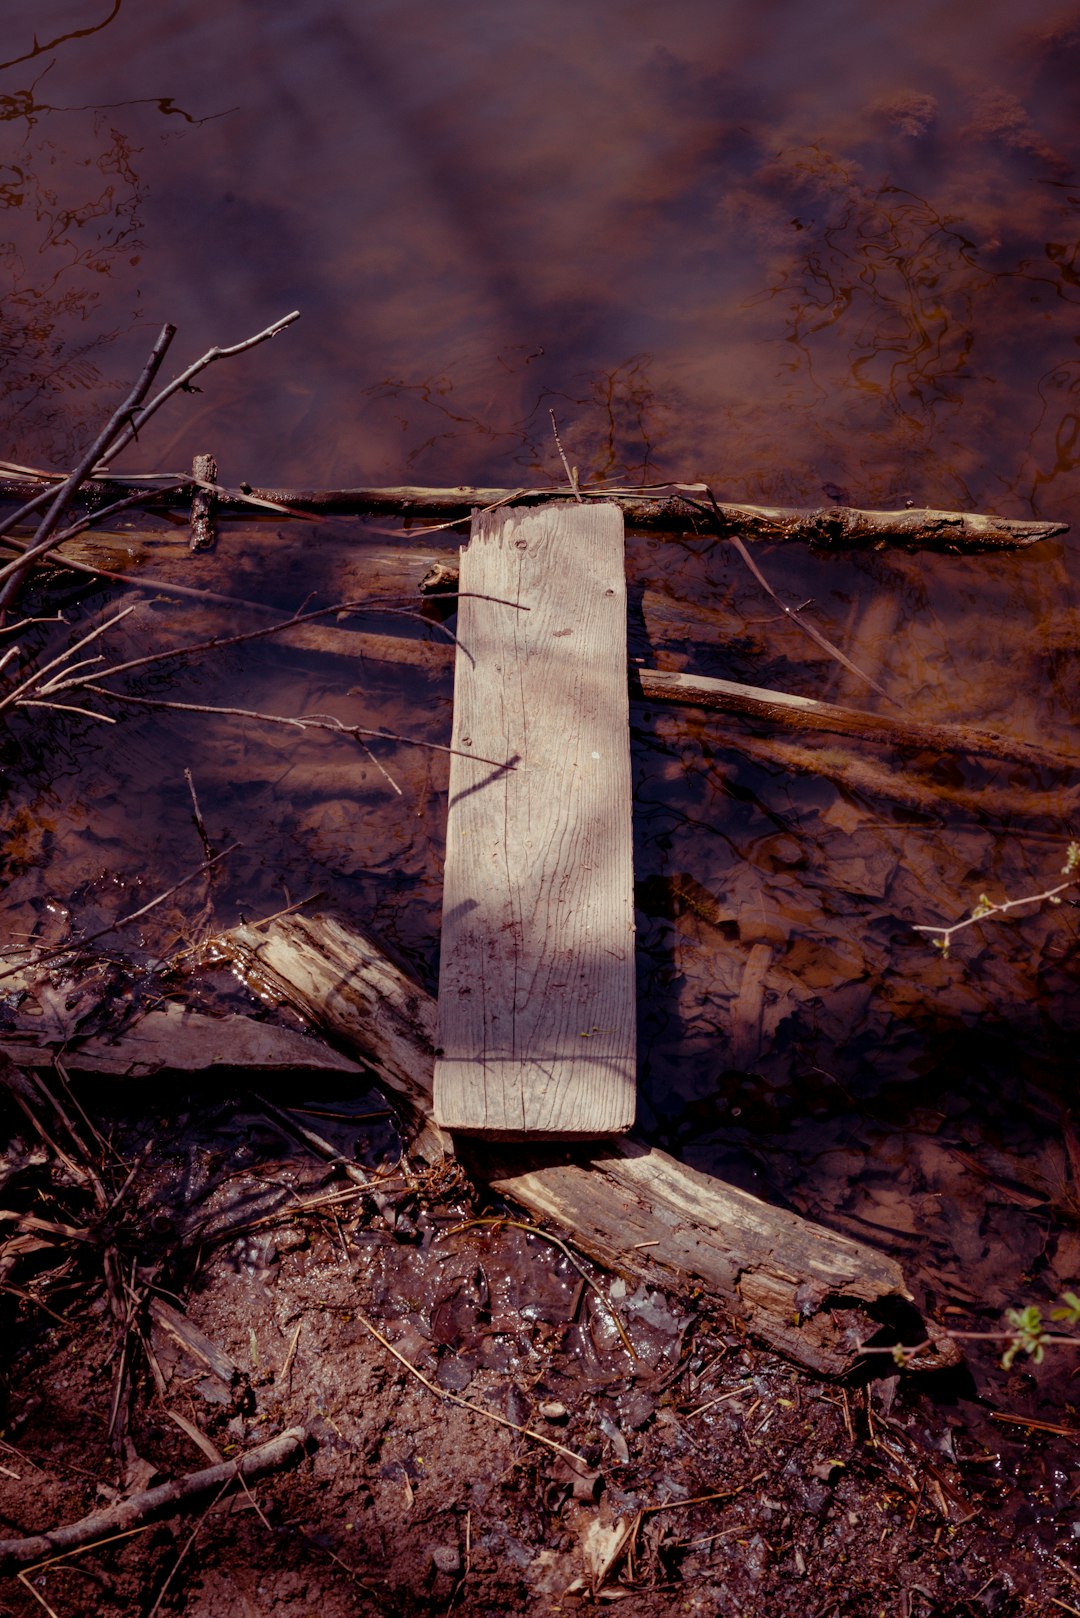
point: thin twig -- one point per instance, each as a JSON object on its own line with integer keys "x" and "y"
{"x": 577, "y": 1461}
{"x": 23, "y": 1575}
{"x": 50, "y": 688}
{"x": 304, "y": 722}
{"x": 183, "y": 381}
{"x": 188, "y": 1543}
{"x": 200, "y": 823}
{"x": 942, "y": 937}
{"x": 571, "y": 472}
{"x": 808, "y": 628}
{"x": 222, "y": 642}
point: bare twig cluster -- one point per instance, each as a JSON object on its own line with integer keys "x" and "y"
{"x": 121, "y": 428}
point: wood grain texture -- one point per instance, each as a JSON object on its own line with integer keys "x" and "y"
{"x": 536, "y": 1032}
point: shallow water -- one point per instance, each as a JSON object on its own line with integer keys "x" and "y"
{"x": 810, "y": 256}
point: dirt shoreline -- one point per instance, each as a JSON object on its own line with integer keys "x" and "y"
{"x": 713, "y": 1477}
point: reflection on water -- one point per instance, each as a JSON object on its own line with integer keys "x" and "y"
{"x": 720, "y": 241}
{"x": 812, "y": 254}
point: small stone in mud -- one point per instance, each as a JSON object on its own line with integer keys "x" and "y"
{"x": 455, "y": 1372}
{"x": 447, "y": 1559}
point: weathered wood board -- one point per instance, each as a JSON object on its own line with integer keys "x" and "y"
{"x": 536, "y": 1033}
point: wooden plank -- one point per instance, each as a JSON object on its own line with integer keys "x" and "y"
{"x": 536, "y": 990}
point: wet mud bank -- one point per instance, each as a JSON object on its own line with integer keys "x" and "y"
{"x": 495, "y": 1425}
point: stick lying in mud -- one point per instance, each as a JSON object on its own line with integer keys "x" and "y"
{"x": 667, "y": 508}
{"x": 153, "y": 1504}
{"x": 800, "y": 1288}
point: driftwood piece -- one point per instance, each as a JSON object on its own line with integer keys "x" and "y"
{"x": 805, "y": 1290}
{"x": 537, "y": 997}
{"x": 151, "y": 1505}
{"x": 834, "y": 527}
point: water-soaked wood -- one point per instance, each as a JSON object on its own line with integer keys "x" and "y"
{"x": 806, "y": 1291}
{"x": 808, "y": 713}
{"x": 537, "y": 1027}
{"x": 172, "y": 1039}
{"x": 668, "y": 621}
{"x": 836, "y": 527}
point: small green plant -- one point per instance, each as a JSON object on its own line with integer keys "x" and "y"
{"x": 942, "y": 937}
{"x": 1030, "y": 1335}
{"x": 1027, "y": 1332}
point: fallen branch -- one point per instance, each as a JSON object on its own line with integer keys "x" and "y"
{"x": 666, "y": 509}
{"x": 152, "y": 1504}
{"x": 921, "y": 793}
{"x": 799, "y": 1287}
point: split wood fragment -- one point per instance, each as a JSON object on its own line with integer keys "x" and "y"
{"x": 152, "y": 1504}
{"x": 665, "y": 509}
{"x": 804, "y": 1290}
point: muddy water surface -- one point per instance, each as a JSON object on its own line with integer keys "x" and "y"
{"x": 810, "y": 255}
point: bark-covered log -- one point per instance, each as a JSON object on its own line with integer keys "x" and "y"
{"x": 832, "y": 527}
{"x": 808, "y": 1292}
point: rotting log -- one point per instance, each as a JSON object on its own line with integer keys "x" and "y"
{"x": 537, "y": 997}
{"x": 809, "y": 1293}
{"x": 665, "y": 509}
